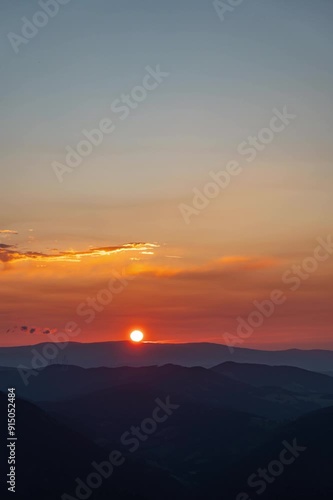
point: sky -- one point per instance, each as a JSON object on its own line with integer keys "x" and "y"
{"x": 183, "y": 93}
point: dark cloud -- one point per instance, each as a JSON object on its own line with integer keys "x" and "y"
{"x": 31, "y": 329}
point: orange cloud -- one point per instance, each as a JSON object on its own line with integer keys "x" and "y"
{"x": 233, "y": 263}
{"x": 9, "y": 253}
{"x": 249, "y": 262}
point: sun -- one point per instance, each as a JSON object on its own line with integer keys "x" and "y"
{"x": 136, "y": 336}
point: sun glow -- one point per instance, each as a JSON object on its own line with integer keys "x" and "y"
{"x": 136, "y": 336}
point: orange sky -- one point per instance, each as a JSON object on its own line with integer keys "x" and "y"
{"x": 171, "y": 293}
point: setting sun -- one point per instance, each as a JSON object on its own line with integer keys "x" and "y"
{"x": 136, "y": 336}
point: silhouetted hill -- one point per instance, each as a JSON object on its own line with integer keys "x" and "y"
{"x": 195, "y": 384}
{"x": 193, "y": 436}
{"x": 188, "y": 385}
{"x": 211, "y": 451}
{"x": 64, "y": 382}
{"x": 219, "y": 433}
{"x": 115, "y": 354}
{"x": 309, "y": 477}
{"x": 50, "y": 456}
{"x": 290, "y": 378}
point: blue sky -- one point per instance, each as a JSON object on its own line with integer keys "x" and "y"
{"x": 225, "y": 79}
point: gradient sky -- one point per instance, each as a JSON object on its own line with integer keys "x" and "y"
{"x": 61, "y": 243}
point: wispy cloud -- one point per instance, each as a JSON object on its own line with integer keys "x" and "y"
{"x": 9, "y": 253}
{"x": 7, "y": 231}
{"x": 227, "y": 265}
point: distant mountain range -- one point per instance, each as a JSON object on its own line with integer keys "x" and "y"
{"x": 271, "y": 392}
{"x": 116, "y": 354}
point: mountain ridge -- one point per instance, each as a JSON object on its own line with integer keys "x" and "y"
{"x": 114, "y": 354}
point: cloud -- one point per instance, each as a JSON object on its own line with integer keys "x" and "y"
{"x": 32, "y": 330}
{"x": 213, "y": 270}
{"x": 9, "y": 253}
{"x": 248, "y": 263}
{"x": 7, "y": 231}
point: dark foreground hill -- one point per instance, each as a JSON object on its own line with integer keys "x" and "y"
{"x": 305, "y": 473}
{"x": 50, "y": 456}
{"x": 198, "y": 453}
